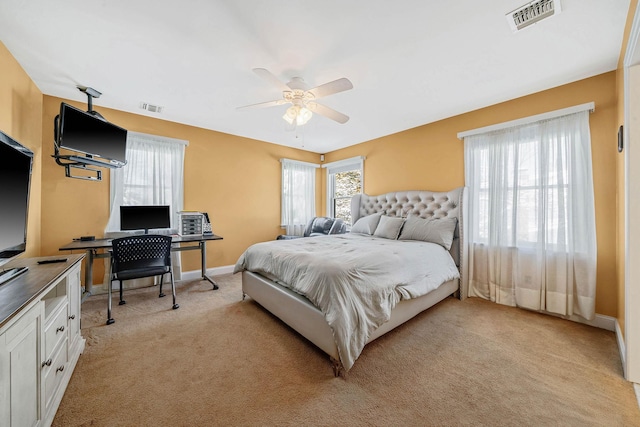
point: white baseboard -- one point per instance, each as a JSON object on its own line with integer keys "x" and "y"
{"x": 621, "y": 348}
{"x": 600, "y": 321}
{"x": 99, "y": 288}
{"x": 611, "y": 324}
{"x": 216, "y": 271}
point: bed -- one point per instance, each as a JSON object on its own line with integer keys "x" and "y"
{"x": 333, "y": 293}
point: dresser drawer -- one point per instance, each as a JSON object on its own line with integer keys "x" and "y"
{"x": 55, "y": 330}
{"x": 54, "y": 372}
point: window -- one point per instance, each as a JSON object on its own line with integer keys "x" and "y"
{"x": 298, "y": 195}
{"x": 344, "y": 180}
{"x": 522, "y": 200}
{"x": 153, "y": 175}
{"x": 532, "y": 214}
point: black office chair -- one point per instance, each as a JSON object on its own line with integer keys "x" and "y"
{"x": 139, "y": 256}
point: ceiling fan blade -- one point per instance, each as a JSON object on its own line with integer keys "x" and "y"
{"x": 263, "y": 104}
{"x": 330, "y": 88}
{"x": 269, "y": 77}
{"x": 330, "y": 113}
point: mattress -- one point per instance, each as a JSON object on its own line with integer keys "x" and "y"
{"x": 354, "y": 280}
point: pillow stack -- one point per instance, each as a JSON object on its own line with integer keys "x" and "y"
{"x": 440, "y": 231}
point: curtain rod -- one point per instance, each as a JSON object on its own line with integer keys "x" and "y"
{"x": 157, "y": 138}
{"x": 525, "y": 121}
{"x": 344, "y": 161}
{"x": 283, "y": 160}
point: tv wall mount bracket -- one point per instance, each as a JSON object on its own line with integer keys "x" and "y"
{"x": 78, "y": 162}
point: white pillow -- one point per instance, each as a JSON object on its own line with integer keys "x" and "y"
{"x": 432, "y": 230}
{"x": 389, "y": 227}
{"x": 366, "y": 224}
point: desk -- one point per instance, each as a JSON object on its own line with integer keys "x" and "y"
{"x": 93, "y": 246}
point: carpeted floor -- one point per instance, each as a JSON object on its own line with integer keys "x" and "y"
{"x": 219, "y": 360}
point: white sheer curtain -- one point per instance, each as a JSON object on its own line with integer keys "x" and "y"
{"x": 153, "y": 175}
{"x": 532, "y": 216}
{"x": 298, "y": 195}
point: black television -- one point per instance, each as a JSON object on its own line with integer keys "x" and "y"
{"x": 91, "y": 135}
{"x": 15, "y": 180}
{"x": 144, "y": 217}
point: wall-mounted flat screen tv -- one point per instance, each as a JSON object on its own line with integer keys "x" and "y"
{"x": 91, "y": 135}
{"x": 144, "y": 217}
{"x": 15, "y": 179}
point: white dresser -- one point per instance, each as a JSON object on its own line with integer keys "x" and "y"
{"x": 40, "y": 339}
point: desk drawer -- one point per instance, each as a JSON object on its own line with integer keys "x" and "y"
{"x": 55, "y": 330}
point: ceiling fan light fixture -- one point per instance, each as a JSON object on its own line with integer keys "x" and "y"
{"x": 291, "y": 114}
{"x": 300, "y": 115}
{"x": 304, "y": 115}
{"x": 302, "y": 100}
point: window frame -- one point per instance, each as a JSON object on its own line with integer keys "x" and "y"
{"x": 346, "y": 165}
{"x": 117, "y": 184}
{"x": 478, "y": 233}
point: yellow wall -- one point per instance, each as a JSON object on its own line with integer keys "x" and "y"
{"x": 236, "y": 180}
{"x": 431, "y": 157}
{"x": 21, "y": 118}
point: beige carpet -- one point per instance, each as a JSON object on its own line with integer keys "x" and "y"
{"x": 219, "y": 360}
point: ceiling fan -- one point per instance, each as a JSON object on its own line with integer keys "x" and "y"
{"x": 302, "y": 100}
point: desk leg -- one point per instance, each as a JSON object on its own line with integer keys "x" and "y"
{"x": 88, "y": 274}
{"x": 203, "y": 263}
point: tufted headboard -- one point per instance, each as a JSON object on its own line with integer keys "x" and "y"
{"x": 426, "y": 204}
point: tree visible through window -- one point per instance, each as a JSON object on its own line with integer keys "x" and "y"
{"x": 346, "y": 185}
{"x": 344, "y": 180}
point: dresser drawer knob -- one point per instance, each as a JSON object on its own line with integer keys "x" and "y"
{"x": 60, "y": 368}
{"x": 60, "y": 329}
{"x": 73, "y": 316}
{"x": 46, "y": 363}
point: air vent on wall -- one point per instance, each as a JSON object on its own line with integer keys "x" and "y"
{"x": 151, "y": 108}
{"x": 532, "y": 12}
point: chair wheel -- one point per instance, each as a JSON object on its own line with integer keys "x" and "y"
{"x": 123, "y": 302}
{"x": 161, "y": 295}
{"x": 176, "y": 306}
{"x": 110, "y": 321}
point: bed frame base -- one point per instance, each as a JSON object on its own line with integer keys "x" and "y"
{"x": 301, "y": 315}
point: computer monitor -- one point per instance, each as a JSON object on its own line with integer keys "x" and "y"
{"x": 91, "y": 135}
{"x": 15, "y": 180}
{"x": 144, "y": 217}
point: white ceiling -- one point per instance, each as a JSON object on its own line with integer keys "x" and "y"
{"x": 411, "y": 62}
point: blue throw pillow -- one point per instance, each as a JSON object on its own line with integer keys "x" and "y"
{"x": 321, "y": 225}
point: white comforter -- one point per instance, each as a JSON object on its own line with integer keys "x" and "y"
{"x": 355, "y": 280}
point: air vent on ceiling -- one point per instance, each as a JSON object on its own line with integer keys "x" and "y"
{"x": 532, "y": 12}
{"x": 151, "y": 108}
